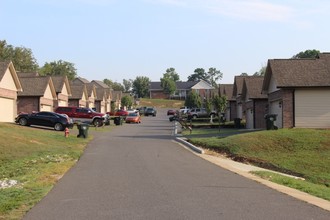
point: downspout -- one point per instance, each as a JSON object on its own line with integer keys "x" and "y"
{"x": 254, "y": 114}
{"x": 293, "y": 108}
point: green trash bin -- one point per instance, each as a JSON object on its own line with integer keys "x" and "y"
{"x": 270, "y": 121}
{"x": 83, "y": 130}
{"x": 118, "y": 120}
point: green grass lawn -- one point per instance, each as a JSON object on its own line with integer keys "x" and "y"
{"x": 303, "y": 152}
{"x": 36, "y": 159}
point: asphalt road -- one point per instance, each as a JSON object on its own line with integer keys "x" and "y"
{"x": 137, "y": 171}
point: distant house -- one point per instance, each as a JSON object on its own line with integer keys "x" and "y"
{"x": 38, "y": 94}
{"x": 9, "y": 86}
{"x": 299, "y": 91}
{"x": 79, "y": 97}
{"x": 255, "y": 103}
{"x": 116, "y": 99}
{"x": 91, "y": 90}
{"x": 63, "y": 90}
{"x": 237, "y": 95}
{"x": 183, "y": 89}
{"x": 227, "y": 91}
{"x": 103, "y": 101}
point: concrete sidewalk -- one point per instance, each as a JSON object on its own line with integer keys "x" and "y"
{"x": 245, "y": 170}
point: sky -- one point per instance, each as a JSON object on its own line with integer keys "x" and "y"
{"x": 123, "y": 39}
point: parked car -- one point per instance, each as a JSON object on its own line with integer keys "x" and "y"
{"x": 142, "y": 110}
{"x": 184, "y": 110}
{"x": 150, "y": 111}
{"x": 121, "y": 112}
{"x": 48, "y": 119}
{"x": 199, "y": 113}
{"x": 133, "y": 117}
{"x": 81, "y": 114}
{"x": 171, "y": 112}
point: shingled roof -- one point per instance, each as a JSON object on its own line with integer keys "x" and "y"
{"x": 252, "y": 88}
{"x": 238, "y": 85}
{"x": 101, "y": 84}
{"x": 313, "y": 72}
{"x": 36, "y": 86}
{"x": 226, "y": 90}
{"x": 27, "y": 74}
{"x": 59, "y": 82}
{"x": 78, "y": 90}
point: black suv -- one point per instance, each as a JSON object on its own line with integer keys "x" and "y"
{"x": 150, "y": 111}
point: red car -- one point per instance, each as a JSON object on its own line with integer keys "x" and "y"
{"x": 119, "y": 112}
{"x": 171, "y": 112}
{"x": 133, "y": 118}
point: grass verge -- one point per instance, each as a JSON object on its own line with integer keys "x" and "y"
{"x": 161, "y": 103}
{"x": 32, "y": 160}
{"x": 301, "y": 152}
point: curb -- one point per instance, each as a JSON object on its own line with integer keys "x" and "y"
{"x": 191, "y": 146}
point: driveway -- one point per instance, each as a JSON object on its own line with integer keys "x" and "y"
{"x": 138, "y": 171}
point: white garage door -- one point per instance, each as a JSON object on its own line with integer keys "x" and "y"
{"x": 7, "y": 110}
{"x": 312, "y": 108}
{"x": 276, "y": 108}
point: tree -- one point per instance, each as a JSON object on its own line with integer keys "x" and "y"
{"x": 59, "y": 68}
{"x": 261, "y": 72}
{"x": 114, "y": 85}
{"x": 168, "y": 81}
{"x": 193, "y": 100}
{"x": 307, "y": 54}
{"x": 127, "y": 84}
{"x": 21, "y": 57}
{"x": 126, "y": 101}
{"x": 198, "y": 74}
{"x": 244, "y": 74}
{"x": 171, "y": 74}
{"x": 213, "y": 76}
{"x": 220, "y": 105}
{"x": 141, "y": 86}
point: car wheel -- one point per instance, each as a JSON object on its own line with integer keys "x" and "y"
{"x": 97, "y": 122}
{"x": 58, "y": 127}
{"x": 22, "y": 121}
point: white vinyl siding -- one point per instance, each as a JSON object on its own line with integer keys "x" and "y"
{"x": 7, "y": 110}
{"x": 312, "y": 108}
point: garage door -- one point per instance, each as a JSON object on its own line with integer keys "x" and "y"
{"x": 312, "y": 108}
{"x": 276, "y": 108}
{"x": 7, "y": 110}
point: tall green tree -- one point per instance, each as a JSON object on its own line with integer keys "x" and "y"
{"x": 21, "y": 57}
{"x": 114, "y": 85}
{"x": 261, "y": 72}
{"x": 213, "y": 76}
{"x": 307, "y": 54}
{"x": 193, "y": 100}
{"x": 220, "y": 105}
{"x": 59, "y": 68}
{"x": 198, "y": 74}
{"x": 127, "y": 101}
{"x": 128, "y": 83}
{"x": 167, "y": 82}
{"x": 171, "y": 74}
{"x": 141, "y": 86}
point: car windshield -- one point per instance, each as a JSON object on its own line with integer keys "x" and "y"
{"x": 132, "y": 114}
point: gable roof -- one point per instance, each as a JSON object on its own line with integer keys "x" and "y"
{"x": 36, "y": 86}
{"x": 59, "y": 82}
{"x": 252, "y": 88}
{"x": 9, "y": 65}
{"x": 238, "y": 85}
{"x": 226, "y": 90}
{"x": 27, "y": 74}
{"x": 80, "y": 80}
{"x": 78, "y": 90}
{"x": 312, "y": 72}
{"x": 101, "y": 84}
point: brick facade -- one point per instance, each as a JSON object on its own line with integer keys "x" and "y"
{"x": 28, "y": 104}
